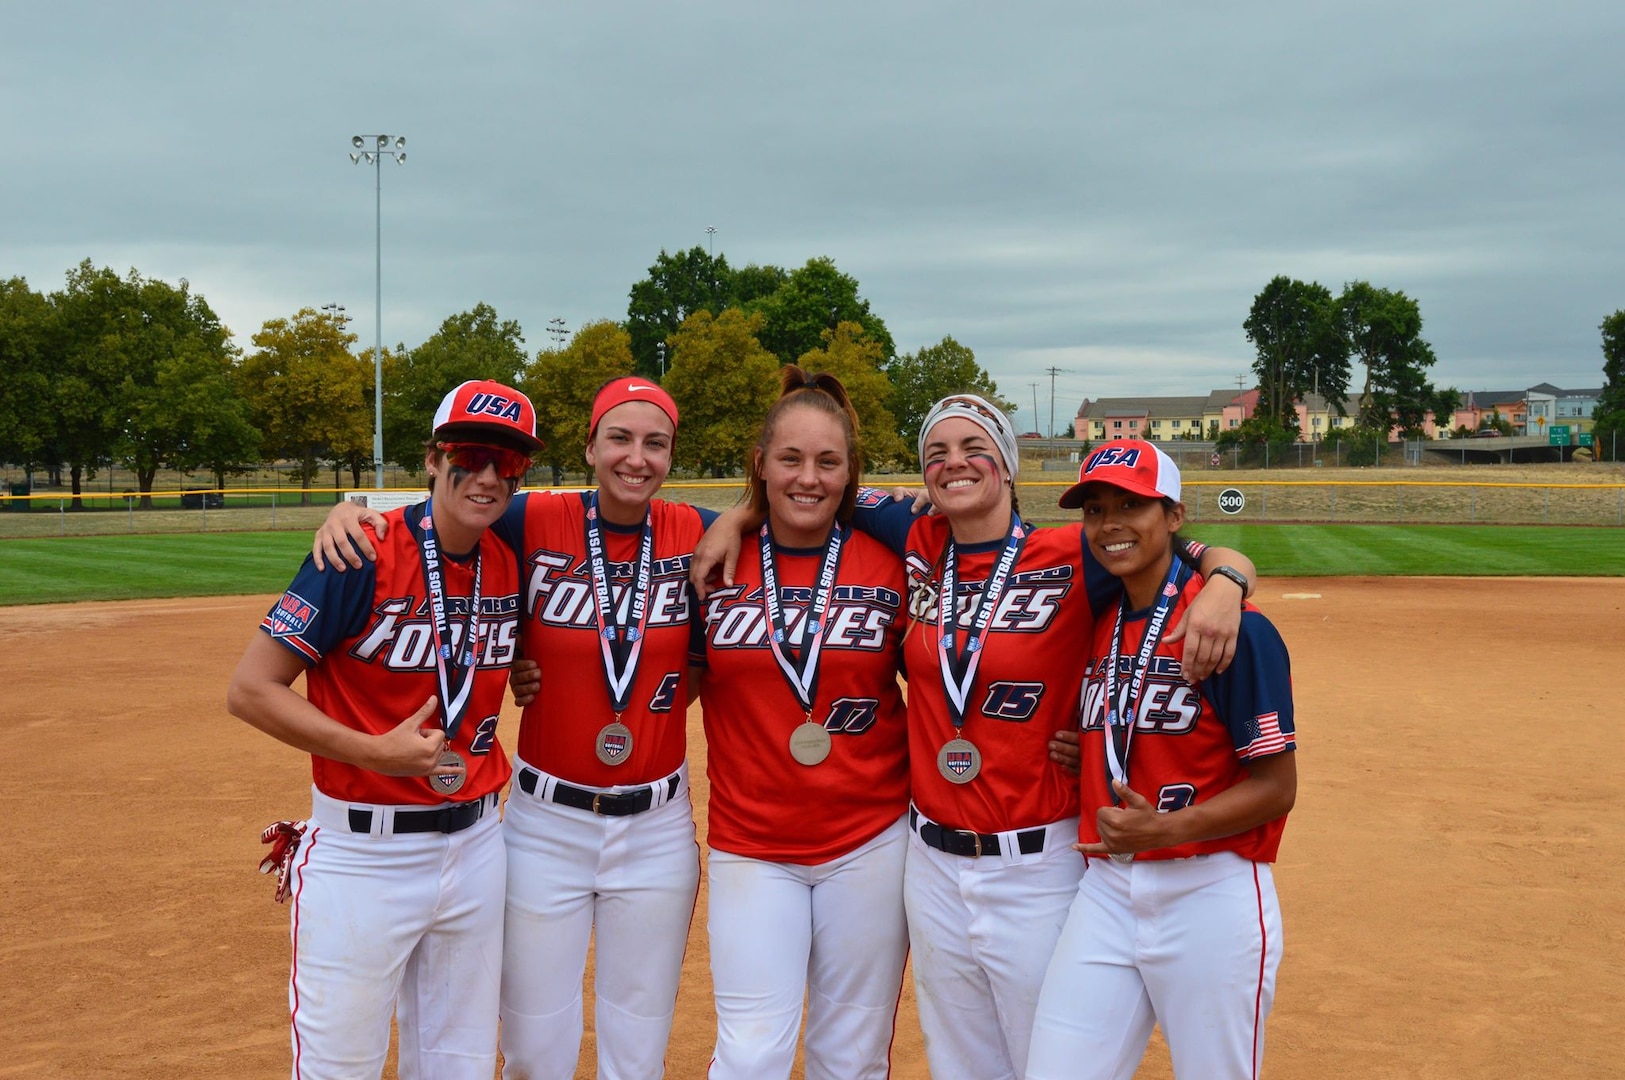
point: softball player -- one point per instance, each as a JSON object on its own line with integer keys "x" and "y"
{"x": 1000, "y": 614}
{"x": 1186, "y": 787}
{"x": 599, "y": 828}
{"x": 806, "y": 736}
{"x": 397, "y": 878}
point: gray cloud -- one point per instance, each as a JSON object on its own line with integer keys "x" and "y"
{"x": 1101, "y": 188}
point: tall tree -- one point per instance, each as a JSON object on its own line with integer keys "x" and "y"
{"x": 176, "y": 360}
{"x": 1383, "y": 328}
{"x": 307, "y": 393}
{"x": 813, "y": 299}
{"x": 723, "y": 381}
{"x": 562, "y": 384}
{"x": 211, "y": 417}
{"x": 855, "y": 358}
{"x": 90, "y": 311}
{"x": 1294, "y": 327}
{"x": 932, "y": 372}
{"x": 677, "y": 286}
{"x": 25, "y": 423}
{"x": 475, "y": 344}
{"x": 1609, "y": 416}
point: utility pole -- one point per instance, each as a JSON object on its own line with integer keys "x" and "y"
{"x": 557, "y": 331}
{"x": 1054, "y": 371}
{"x": 1035, "y": 405}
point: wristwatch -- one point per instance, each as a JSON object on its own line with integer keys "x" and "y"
{"x": 1234, "y": 575}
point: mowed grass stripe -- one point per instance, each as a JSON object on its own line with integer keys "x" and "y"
{"x": 67, "y": 569}
{"x": 1420, "y": 550}
{"x": 142, "y": 567}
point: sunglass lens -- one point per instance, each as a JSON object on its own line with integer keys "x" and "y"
{"x": 473, "y": 457}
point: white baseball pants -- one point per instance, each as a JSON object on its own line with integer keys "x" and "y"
{"x": 832, "y": 936}
{"x": 628, "y": 883}
{"x": 982, "y": 929}
{"x": 409, "y": 924}
{"x": 1192, "y": 944}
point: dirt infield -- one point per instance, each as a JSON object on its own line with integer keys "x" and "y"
{"x": 1453, "y": 879}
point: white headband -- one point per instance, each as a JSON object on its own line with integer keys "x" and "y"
{"x": 985, "y": 415}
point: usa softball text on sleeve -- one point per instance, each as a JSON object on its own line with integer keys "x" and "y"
{"x": 750, "y": 711}
{"x": 560, "y": 727}
{"x": 1192, "y": 742}
{"x": 369, "y": 636}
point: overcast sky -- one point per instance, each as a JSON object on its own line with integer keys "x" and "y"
{"x": 1099, "y": 188}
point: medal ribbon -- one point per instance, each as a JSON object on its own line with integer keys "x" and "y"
{"x": 454, "y": 674}
{"x": 1120, "y": 722}
{"x": 959, "y": 669}
{"x": 620, "y": 646}
{"x": 798, "y": 659}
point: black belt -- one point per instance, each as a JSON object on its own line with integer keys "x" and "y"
{"x": 971, "y": 844}
{"x": 446, "y": 819}
{"x": 609, "y": 804}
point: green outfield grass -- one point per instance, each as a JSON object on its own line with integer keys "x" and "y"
{"x": 138, "y": 567}
{"x": 212, "y": 564}
{"x": 1420, "y": 550}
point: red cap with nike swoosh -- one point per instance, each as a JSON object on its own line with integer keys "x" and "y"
{"x": 631, "y": 388}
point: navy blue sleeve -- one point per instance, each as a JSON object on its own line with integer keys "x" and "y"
{"x": 321, "y": 609}
{"x": 706, "y": 516}
{"x": 696, "y": 637}
{"x": 1253, "y": 696}
{"x": 884, "y": 518}
{"x": 510, "y": 527}
{"x": 1104, "y": 588}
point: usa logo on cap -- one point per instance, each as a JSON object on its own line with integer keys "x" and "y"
{"x": 483, "y": 404}
{"x": 1131, "y": 464}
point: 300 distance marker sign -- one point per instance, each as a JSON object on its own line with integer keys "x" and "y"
{"x": 1231, "y": 501}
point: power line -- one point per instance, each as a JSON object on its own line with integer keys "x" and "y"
{"x": 1054, "y": 371}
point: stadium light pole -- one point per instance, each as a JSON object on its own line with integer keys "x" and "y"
{"x": 382, "y": 146}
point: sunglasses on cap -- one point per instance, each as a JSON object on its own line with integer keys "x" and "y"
{"x": 474, "y": 457}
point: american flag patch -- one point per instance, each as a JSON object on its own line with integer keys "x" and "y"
{"x": 868, "y": 496}
{"x": 1264, "y": 736}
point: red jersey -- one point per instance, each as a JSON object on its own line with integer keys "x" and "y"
{"x": 559, "y": 731}
{"x": 368, "y": 635}
{"x": 1190, "y": 742}
{"x": 763, "y": 803}
{"x": 1026, "y": 686}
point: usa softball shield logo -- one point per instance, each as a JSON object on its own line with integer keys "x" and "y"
{"x": 292, "y": 615}
{"x": 614, "y": 745}
{"x": 959, "y": 761}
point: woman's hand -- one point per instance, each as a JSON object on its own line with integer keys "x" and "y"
{"x": 1131, "y": 828}
{"x": 525, "y": 680}
{"x": 717, "y": 553}
{"x": 1065, "y": 751}
{"x": 1209, "y": 628}
{"x": 413, "y": 747}
{"x": 333, "y": 543}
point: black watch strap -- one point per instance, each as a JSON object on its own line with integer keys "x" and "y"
{"x": 1234, "y": 575}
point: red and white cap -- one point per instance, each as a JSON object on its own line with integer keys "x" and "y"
{"x": 1131, "y": 464}
{"x": 484, "y": 411}
{"x": 631, "y": 388}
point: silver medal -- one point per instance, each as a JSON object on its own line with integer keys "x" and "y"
{"x": 809, "y": 743}
{"x": 1122, "y": 856}
{"x": 449, "y": 785}
{"x": 959, "y": 761}
{"x": 614, "y": 743}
